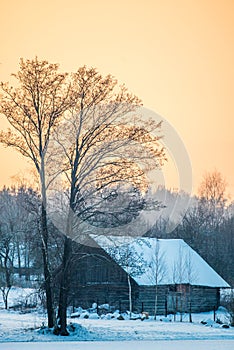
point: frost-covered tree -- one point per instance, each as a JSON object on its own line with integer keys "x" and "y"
{"x": 33, "y": 108}
{"x": 102, "y": 151}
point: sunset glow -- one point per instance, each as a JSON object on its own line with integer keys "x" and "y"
{"x": 177, "y": 56}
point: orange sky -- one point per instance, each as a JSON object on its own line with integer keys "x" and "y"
{"x": 177, "y": 56}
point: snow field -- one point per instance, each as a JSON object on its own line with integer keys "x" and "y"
{"x": 127, "y": 345}
{"x": 20, "y": 330}
{"x": 17, "y": 327}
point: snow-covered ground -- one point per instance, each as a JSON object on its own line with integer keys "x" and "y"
{"x": 16, "y": 327}
{"x": 148, "y": 345}
{"x": 20, "y": 296}
{"x": 21, "y": 331}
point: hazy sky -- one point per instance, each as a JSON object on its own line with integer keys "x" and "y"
{"x": 176, "y": 55}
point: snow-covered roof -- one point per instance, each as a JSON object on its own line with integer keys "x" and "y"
{"x": 167, "y": 261}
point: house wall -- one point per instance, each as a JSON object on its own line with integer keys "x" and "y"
{"x": 146, "y": 299}
{"x": 98, "y": 278}
{"x": 205, "y": 298}
{"x": 116, "y": 295}
{"x": 194, "y": 298}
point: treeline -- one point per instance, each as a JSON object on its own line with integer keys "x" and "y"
{"x": 207, "y": 226}
{"x": 21, "y": 262}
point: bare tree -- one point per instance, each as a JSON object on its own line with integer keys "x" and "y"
{"x": 8, "y": 228}
{"x": 157, "y": 271}
{"x": 6, "y": 264}
{"x": 97, "y": 150}
{"x": 214, "y": 243}
{"x": 191, "y": 273}
{"x": 178, "y": 278}
{"x": 184, "y": 275}
{"x": 213, "y": 203}
{"x": 18, "y": 229}
{"x": 212, "y": 193}
{"x": 213, "y": 188}
{"x": 33, "y": 109}
{"x": 28, "y": 246}
{"x": 127, "y": 256}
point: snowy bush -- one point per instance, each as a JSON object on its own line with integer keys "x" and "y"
{"x": 228, "y": 302}
{"x": 108, "y": 316}
{"x": 93, "y": 316}
{"x": 104, "y": 308}
{"x": 84, "y": 314}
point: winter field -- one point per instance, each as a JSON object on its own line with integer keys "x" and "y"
{"x": 20, "y": 330}
{"x": 127, "y": 345}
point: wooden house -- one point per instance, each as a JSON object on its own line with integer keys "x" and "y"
{"x": 166, "y": 270}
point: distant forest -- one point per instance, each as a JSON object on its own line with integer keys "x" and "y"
{"x": 207, "y": 226}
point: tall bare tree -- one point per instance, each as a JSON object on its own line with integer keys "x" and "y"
{"x": 102, "y": 148}
{"x": 213, "y": 197}
{"x": 33, "y": 109}
{"x": 213, "y": 188}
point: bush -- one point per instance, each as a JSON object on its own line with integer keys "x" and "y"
{"x": 228, "y": 302}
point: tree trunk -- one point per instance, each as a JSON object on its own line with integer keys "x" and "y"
{"x": 8, "y": 273}
{"x": 64, "y": 287}
{"x": 47, "y": 275}
{"x": 5, "y": 291}
{"x": 190, "y": 304}
{"x": 181, "y": 308}
{"x": 156, "y": 302}
{"x": 6, "y": 302}
{"x": 44, "y": 237}
{"x": 130, "y": 295}
{"x": 19, "y": 258}
{"x": 64, "y": 280}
